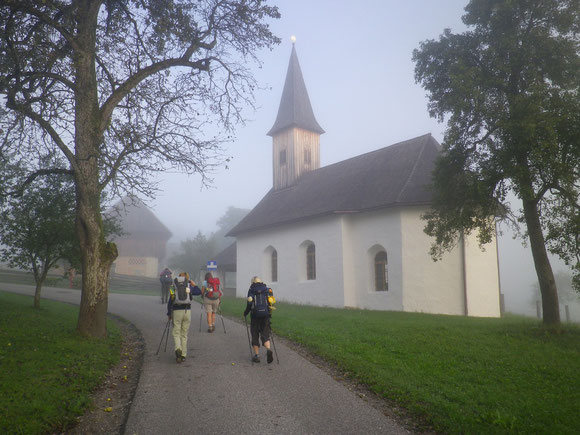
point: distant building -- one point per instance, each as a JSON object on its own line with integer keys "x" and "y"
{"x": 226, "y": 269}
{"x": 350, "y": 234}
{"x": 143, "y": 246}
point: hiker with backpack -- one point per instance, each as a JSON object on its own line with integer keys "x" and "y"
{"x": 166, "y": 279}
{"x": 260, "y": 299}
{"x": 212, "y": 297}
{"x": 179, "y": 310}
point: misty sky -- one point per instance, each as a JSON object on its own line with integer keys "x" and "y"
{"x": 356, "y": 62}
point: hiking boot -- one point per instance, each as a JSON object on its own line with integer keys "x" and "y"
{"x": 178, "y": 355}
{"x": 209, "y": 329}
{"x": 256, "y": 358}
{"x": 212, "y": 328}
{"x": 269, "y": 356}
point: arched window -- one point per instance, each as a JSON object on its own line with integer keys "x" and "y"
{"x": 311, "y": 262}
{"x": 274, "y": 258}
{"x": 381, "y": 273}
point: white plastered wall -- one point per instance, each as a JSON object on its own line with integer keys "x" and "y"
{"x": 367, "y": 233}
{"x": 482, "y": 278}
{"x": 428, "y": 286}
{"x": 327, "y": 289}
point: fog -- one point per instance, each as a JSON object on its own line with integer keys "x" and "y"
{"x": 356, "y": 62}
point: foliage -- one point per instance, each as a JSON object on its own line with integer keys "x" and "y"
{"x": 48, "y": 371}
{"x": 225, "y": 223}
{"x": 193, "y": 255}
{"x": 461, "y": 375}
{"x": 37, "y": 228}
{"x": 509, "y": 90}
{"x": 122, "y": 89}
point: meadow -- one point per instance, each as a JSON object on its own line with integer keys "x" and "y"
{"x": 47, "y": 372}
{"x": 455, "y": 374}
{"x": 451, "y": 374}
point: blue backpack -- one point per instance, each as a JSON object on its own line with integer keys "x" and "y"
{"x": 260, "y": 307}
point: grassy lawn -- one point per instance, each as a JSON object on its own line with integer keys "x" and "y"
{"x": 46, "y": 371}
{"x": 460, "y": 375}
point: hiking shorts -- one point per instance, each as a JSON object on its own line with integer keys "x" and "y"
{"x": 211, "y": 306}
{"x": 260, "y": 327}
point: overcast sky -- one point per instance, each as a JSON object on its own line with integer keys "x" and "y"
{"x": 356, "y": 61}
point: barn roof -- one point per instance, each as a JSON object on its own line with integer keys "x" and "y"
{"x": 137, "y": 219}
{"x": 295, "y": 109}
{"x": 396, "y": 175}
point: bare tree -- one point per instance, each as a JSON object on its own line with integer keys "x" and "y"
{"x": 122, "y": 89}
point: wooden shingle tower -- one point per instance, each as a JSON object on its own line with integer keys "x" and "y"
{"x": 296, "y": 133}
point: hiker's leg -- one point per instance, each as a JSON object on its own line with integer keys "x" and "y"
{"x": 265, "y": 332}
{"x": 184, "y": 330}
{"x": 255, "y": 330}
{"x": 177, "y": 320}
{"x": 208, "y": 309}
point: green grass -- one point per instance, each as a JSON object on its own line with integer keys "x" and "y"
{"x": 47, "y": 372}
{"x": 457, "y": 374}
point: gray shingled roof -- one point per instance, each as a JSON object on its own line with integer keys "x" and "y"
{"x": 392, "y": 176}
{"x": 136, "y": 218}
{"x": 295, "y": 109}
{"x": 227, "y": 258}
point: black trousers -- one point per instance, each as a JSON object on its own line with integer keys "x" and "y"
{"x": 260, "y": 328}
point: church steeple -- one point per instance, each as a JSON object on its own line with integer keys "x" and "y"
{"x": 296, "y": 133}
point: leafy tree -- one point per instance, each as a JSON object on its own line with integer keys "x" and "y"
{"x": 230, "y": 219}
{"x": 122, "y": 89}
{"x": 193, "y": 254}
{"x": 37, "y": 229}
{"x": 509, "y": 90}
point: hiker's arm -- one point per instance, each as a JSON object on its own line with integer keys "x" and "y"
{"x": 248, "y": 306}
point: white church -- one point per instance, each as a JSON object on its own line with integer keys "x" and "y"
{"x": 350, "y": 234}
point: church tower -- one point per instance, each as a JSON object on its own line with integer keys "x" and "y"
{"x": 296, "y": 133}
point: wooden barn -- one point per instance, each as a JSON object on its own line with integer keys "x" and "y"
{"x": 143, "y": 246}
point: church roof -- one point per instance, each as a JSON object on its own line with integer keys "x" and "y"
{"x": 227, "y": 258}
{"x": 137, "y": 219}
{"x": 295, "y": 109}
{"x": 397, "y": 175}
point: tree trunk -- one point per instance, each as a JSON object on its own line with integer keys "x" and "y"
{"x": 97, "y": 255}
{"x": 37, "y": 295}
{"x": 550, "y": 305}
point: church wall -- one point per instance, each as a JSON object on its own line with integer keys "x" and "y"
{"x": 327, "y": 289}
{"x": 428, "y": 286}
{"x": 482, "y": 278}
{"x": 371, "y": 232}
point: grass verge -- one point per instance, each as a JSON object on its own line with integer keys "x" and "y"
{"x": 47, "y": 371}
{"x": 458, "y": 374}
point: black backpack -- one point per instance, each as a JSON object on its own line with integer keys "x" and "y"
{"x": 181, "y": 295}
{"x": 260, "y": 307}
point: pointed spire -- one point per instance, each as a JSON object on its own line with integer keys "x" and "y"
{"x": 295, "y": 109}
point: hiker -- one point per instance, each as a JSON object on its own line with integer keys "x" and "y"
{"x": 179, "y": 309}
{"x": 166, "y": 279}
{"x": 260, "y": 318}
{"x": 212, "y": 297}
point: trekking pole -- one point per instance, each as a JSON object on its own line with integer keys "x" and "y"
{"x": 249, "y": 341}
{"x": 221, "y": 316}
{"x": 274, "y": 344}
{"x": 200, "y": 314}
{"x": 166, "y": 330}
{"x": 167, "y": 336}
